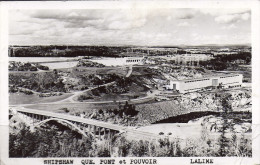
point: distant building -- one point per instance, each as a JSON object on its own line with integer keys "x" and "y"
{"x": 191, "y": 85}
{"x": 120, "y": 61}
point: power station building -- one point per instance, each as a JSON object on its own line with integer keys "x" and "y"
{"x": 191, "y": 85}
{"x": 120, "y": 61}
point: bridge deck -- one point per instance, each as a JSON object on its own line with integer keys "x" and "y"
{"x": 74, "y": 118}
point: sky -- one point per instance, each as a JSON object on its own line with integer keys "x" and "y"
{"x": 139, "y": 27}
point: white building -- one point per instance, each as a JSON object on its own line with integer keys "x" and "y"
{"x": 191, "y": 85}
{"x": 120, "y": 61}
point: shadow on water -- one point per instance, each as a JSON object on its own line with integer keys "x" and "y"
{"x": 185, "y": 118}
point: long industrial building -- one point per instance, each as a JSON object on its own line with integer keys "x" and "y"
{"x": 191, "y": 85}
{"x": 120, "y": 61}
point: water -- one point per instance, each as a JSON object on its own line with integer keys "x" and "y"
{"x": 38, "y": 59}
{"x": 60, "y": 65}
{"x": 54, "y": 62}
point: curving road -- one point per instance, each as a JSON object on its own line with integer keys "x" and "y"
{"x": 78, "y": 93}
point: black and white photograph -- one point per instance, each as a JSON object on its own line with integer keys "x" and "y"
{"x": 132, "y": 82}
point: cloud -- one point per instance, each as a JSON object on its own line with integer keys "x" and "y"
{"x": 83, "y": 24}
{"x": 184, "y": 14}
{"x": 194, "y": 34}
{"x": 187, "y": 16}
{"x": 126, "y": 26}
{"x": 107, "y": 19}
{"x": 110, "y": 19}
{"x": 223, "y": 11}
{"x": 228, "y": 27}
{"x": 232, "y": 18}
{"x": 245, "y": 16}
{"x": 183, "y": 24}
{"x": 66, "y": 15}
{"x": 129, "y": 24}
{"x": 227, "y": 15}
{"x": 21, "y": 33}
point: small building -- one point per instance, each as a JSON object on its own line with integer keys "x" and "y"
{"x": 191, "y": 85}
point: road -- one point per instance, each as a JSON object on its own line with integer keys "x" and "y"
{"x": 130, "y": 70}
{"x": 73, "y": 98}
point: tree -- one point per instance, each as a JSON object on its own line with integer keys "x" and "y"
{"x": 51, "y": 142}
{"x": 223, "y": 140}
{"x": 123, "y": 147}
{"x": 129, "y": 109}
{"x": 140, "y": 148}
{"x": 220, "y": 86}
{"x": 103, "y": 152}
{"x": 24, "y": 143}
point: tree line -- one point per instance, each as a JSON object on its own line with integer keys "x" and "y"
{"x": 64, "y": 51}
{"x": 222, "y": 62}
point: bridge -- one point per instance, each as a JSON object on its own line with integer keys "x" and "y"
{"x": 86, "y": 126}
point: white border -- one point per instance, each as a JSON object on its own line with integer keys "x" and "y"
{"x": 255, "y": 8}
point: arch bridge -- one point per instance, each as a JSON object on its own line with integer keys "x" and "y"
{"x": 86, "y": 127}
{"x": 83, "y": 126}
